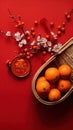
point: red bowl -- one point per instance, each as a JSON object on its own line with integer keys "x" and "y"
{"x": 20, "y": 66}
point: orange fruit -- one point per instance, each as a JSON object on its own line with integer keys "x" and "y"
{"x": 52, "y": 74}
{"x": 43, "y": 88}
{"x": 64, "y": 85}
{"x": 42, "y": 78}
{"x": 65, "y": 71}
{"x": 54, "y": 94}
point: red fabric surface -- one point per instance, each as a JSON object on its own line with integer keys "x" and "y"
{"x": 19, "y": 110}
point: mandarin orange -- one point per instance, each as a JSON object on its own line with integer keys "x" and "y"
{"x": 54, "y": 94}
{"x": 42, "y": 78}
{"x": 64, "y": 85}
{"x": 52, "y": 74}
{"x": 43, "y": 88}
{"x": 65, "y": 71}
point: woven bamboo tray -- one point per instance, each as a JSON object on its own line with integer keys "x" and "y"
{"x": 64, "y": 56}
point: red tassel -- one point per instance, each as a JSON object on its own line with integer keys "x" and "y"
{"x": 44, "y": 25}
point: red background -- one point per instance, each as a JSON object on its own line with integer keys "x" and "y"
{"x": 19, "y": 109}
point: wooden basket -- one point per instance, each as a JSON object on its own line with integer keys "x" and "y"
{"x": 64, "y": 56}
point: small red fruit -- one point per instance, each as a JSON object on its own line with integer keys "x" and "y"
{"x": 52, "y": 24}
{"x": 59, "y": 33}
{"x": 35, "y": 22}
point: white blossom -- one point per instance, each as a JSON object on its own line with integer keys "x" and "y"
{"x": 20, "y": 45}
{"x": 44, "y": 45}
{"x": 56, "y": 47}
{"x": 23, "y": 41}
{"x": 49, "y": 43}
{"x": 28, "y": 32}
{"x": 59, "y": 45}
{"x": 54, "y": 35}
{"x": 49, "y": 49}
{"x": 38, "y": 38}
{"x": 17, "y": 36}
{"x": 33, "y": 43}
{"x": 8, "y": 34}
{"x": 38, "y": 43}
{"x": 43, "y": 40}
{"x": 22, "y": 35}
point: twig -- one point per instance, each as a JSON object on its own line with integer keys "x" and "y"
{"x": 11, "y": 16}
